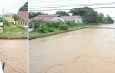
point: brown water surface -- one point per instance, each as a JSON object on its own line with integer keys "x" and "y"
{"x": 89, "y": 50}
{"x": 14, "y": 54}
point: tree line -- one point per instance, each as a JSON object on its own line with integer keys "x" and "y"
{"x": 89, "y": 15}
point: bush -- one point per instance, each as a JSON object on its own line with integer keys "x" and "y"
{"x": 6, "y": 23}
{"x": 80, "y": 24}
{"x": 48, "y": 24}
{"x": 31, "y": 24}
{"x": 53, "y": 24}
{"x": 50, "y": 29}
{"x": 71, "y": 24}
{"x": 63, "y": 27}
{"x": 42, "y": 29}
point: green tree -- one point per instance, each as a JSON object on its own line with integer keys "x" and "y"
{"x": 5, "y": 21}
{"x": 33, "y": 14}
{"x": 63, "y": 13}
{"x": 108, "y": 19}
{"x": 101, "y": 17}
{"x": 91, "y": 16}
{"x": 16, "y": 17}
{"x": 24, "y": 7}
{"x": 88, "y": 14}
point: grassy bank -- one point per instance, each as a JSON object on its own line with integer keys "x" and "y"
{"x": 36, "y": 34}
{"x": 13, "y": 32}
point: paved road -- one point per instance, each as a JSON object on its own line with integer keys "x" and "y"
{"x": 90, "y": 50}
{"x": 15, "y": 55}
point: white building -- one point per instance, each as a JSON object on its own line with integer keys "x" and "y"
{"x": 8, "y": 15}
{"x": 24, "y": 16}
{"x": 77, "y": 19}
{"x": 48, "y": 18}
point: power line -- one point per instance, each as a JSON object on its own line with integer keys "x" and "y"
{"x": 70, "y": 5}
{"x": 66, "y": 9}
{"x": 50, "y": 1}
{"x": 17, "y": 5}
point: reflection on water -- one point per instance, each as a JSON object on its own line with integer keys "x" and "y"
{"x": 89, "y": 50}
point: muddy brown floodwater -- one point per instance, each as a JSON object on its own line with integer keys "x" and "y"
{"x": 89, "y": 50}
{"x": 15, "y": 55}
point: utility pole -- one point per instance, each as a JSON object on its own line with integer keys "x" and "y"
{"x": 3, "y": 14}
{"x": 3, "y": 19}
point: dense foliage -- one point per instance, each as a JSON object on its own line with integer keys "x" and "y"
{"x": 63, "y": 13}
{"x": 91, "y": 16}
{"x": 5, "y": 22}
{"x": 33, "y": 14}
{"x": 63, "y": 27}
{"x": 44, "y": 27}
{"x": 16, "y": 17}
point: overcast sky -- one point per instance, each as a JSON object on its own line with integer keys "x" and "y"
{"x": 69, "y": 4}
{"x": 10, "y": 6}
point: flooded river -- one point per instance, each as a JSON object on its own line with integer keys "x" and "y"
{"x": 14, "y": 54}
{"x": 89, "y": 50}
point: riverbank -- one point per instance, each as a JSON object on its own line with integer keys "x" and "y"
{"x": 35, "y": 34}
{"x": 15, "y": 55}
{"x": 14, "y": 32}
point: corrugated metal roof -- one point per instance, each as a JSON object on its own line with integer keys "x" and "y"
{"x": 23, "y": 14}
{"x": 70, "y": 18}
{"x": 45, "y": 17}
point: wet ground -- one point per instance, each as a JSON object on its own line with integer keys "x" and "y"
{"x": 15, "y": 55}
{"x": 89, "y": 50}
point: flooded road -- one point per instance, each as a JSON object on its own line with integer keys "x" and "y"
{"x": 14, "y": 54}
{"x": 89, "y": 50}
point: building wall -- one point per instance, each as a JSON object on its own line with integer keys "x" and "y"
{"x": 58, "y": 19}
{"x": 10, "y": 20}
{"x": 24, "y": 24}
{"x": 79, "y": 20}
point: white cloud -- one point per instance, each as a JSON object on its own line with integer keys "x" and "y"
{"x": 11, "y": 5}
{"x": 41, "y": 4}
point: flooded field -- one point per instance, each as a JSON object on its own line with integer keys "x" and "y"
{"x": 14, "y": 54}
{"x": 89, "y": 50}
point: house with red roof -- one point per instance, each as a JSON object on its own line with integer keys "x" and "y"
{"x": 24, "y": 16}
{"x": 77, "y": 19}
{"x": 48, "y": 18}
{"x": 8, "y": 15}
